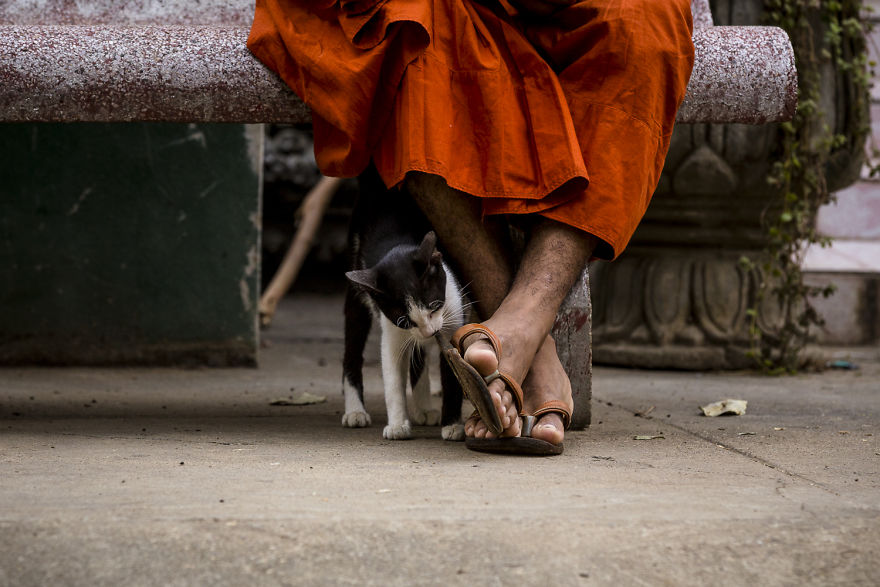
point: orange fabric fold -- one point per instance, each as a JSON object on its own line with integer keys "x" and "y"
{"x": 568, "y": 117}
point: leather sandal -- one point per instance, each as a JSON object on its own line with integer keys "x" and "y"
{"x": 474, "y": 385}
{"x": 524, "y": 444}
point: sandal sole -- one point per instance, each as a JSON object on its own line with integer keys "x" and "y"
{"x": 515, "y": 446}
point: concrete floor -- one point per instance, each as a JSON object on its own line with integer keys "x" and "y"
{"x": 190, "y": 477}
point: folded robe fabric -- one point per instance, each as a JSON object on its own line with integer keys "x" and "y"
{"x": 568, "y": 116}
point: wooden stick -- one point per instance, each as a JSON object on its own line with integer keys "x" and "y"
{"x": 310, "y": 211}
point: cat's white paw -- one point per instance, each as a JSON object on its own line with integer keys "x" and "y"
{"x": 454, "y": 432}
{"x": 398, "y": 432}
{"x": 426, "y": 417}
{"x": 356, "y": 420}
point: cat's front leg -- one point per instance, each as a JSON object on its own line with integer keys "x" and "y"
{"x": 424, "y": 412}
{"x": 453, "y": 405}
{"x": 394, "y": 371}
{"x": 356, "y": 415}
{"x": 357, "y": 328}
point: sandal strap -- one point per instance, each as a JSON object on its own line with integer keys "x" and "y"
{"x": 554, "y": 406}
{"x": 470, "y": 329}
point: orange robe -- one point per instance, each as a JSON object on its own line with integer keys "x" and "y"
{"x": 568, "y": 116}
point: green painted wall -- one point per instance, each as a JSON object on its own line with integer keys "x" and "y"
{"x": 129, "y": 243}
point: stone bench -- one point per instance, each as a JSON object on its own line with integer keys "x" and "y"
{"x": 121, "y": 61}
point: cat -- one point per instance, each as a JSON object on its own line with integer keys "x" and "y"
{"x": 399, "y": 279}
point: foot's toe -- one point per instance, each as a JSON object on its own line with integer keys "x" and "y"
{"x": 470, "y": 425}
{"x": 474, "y": 427}
{"x": 481, "y": 356}
{"x": 513, "y": 430}
{"x": 511, "y": 414}
{"x": 549, "y": 428}
{"x": 504, "y": 404}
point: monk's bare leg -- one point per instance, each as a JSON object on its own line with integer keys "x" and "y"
{"x": 554, "y": 257}
{"x": 522, "y": 318}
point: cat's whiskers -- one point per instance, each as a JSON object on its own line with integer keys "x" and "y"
{"x": 465, "y": 307}
{"x": 457, "y": 313}
{"x": 451, "y": 318}
{"x": 464, "y": 294}
{"x": 404, "y": 351}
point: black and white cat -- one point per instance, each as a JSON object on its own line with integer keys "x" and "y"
{"x": 399, "y": 279}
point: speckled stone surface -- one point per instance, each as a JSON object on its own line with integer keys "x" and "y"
{"x": 124, "y": 66}
{"x": 122, "y": 12}
{"x": 143, "y": 73}
{"x": 741, "y": 74}
{"x": 702, "y": 13}
{"x": 202, "y": 12}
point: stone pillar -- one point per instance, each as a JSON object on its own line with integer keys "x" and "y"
{"x": 677, "y": 298}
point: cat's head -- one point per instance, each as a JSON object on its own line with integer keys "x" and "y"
{"x": 409, "y": 286}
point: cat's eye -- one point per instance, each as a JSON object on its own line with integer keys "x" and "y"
{"x": 403, "y": 322}
{"x": 435, "y": 305}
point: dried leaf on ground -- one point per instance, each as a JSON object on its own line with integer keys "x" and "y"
{"x": 647, "y": 436}
{"x": 736, "y": 407}
{"x": 302, "y": 399}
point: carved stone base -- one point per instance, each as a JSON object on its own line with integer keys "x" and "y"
{"x": 672, "y": 356}
{"x": 665, "y": 307}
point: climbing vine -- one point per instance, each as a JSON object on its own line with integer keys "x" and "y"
{"x": 825, "y": 35}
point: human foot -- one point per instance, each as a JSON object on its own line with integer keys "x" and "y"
{"x": 547, "y": 389}
{"x": 520, "y": 347}
{"x": 548, "y": 407}
{"x": 494, "y": 391}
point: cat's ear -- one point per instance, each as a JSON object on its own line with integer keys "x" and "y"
{"x": 364, "y": 278}
{"x": 428, "y": 252}
{"x": 427, "y": 248}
